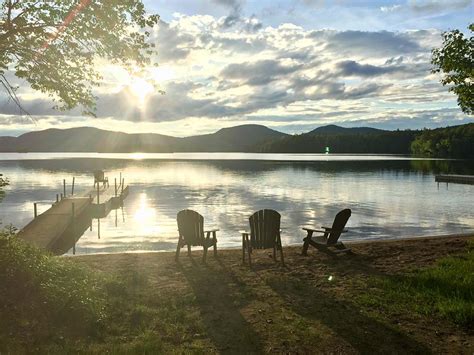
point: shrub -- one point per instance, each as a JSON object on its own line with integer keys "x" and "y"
{"x": 45, "y": 298}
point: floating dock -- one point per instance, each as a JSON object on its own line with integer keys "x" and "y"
{"x": 58, "y": 228}
{"x": 455, "y": 179}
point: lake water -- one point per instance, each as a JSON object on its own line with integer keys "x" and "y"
{"x": 390, "y": 196}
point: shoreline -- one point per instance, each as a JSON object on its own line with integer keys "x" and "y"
{"x": 295, "y": 245}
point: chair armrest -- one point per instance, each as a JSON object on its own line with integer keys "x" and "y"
{"x": 243, "y": 232}
{"x": 211, "y": 230}
{"x": 314, "y": 230}
{"x": 334, "y": 230}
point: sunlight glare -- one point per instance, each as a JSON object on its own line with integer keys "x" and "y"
{"x": 145, "y": 216}
{"x": 141, "y": 89}
{"x": 137, "y": 156}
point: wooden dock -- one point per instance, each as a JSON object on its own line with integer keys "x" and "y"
{"x": 455, "y": 179}
{"x": 47, "y": 228}
{"x": 58, "y": 228}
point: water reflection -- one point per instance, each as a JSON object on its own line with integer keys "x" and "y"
{"x": 389, "y": 198}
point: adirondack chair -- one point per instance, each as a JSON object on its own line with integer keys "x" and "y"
{"x": 191, "y": 233}
{"x": 99, "y": 177}
{"x": 330, "y": 235}
{"x": 264, "y": 234}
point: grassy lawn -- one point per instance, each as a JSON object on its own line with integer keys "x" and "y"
{"x": 446, "y": 289}
{"x": 370, "y": 302}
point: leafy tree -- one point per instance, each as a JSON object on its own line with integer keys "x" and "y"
{"x": 454, "y": 142}
{"x": 55, "y": 45}
{"x": 456, "y": 60}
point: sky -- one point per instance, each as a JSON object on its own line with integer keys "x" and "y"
{"x": 290, "y": 65}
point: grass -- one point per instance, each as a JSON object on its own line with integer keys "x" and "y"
{"x": 148, "y": 304}
{"x": 446, "y": 289}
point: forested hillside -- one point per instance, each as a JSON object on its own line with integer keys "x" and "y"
{"x": 347, "y": 141}
{"x": 456, "y": 141}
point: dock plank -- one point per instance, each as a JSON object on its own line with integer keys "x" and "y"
{"x": 46, "y": 228}
{"x": 455, "y": 179}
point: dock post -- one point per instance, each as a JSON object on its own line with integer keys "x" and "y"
{"x": 123, "y": 183}
{"x": 73, "y": 226}
{"x": 35, "y": 209}
{"x": 64, "y": 187}
{"x": 61, "y": 196}
{"x": 72, "y": 188}
{"x": 57, "y": 198}
{"x": 115, "y": 180}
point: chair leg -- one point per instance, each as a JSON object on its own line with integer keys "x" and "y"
{"x": 306, "y": 243}
{"x": 215, "y": 243}
{"x": 249, "y": 250}
{"x": 274, "y": 253}
{"x": 243, "y": 249}
{"x": 178, "y": 248}
{"x": 281, "y": 250}
{"x": 281, "y": 256}
{"x": 189, "y": 250}
{"x": 204, "y": 254}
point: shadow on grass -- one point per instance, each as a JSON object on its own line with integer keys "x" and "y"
{"x": 363, "y": 333}
{"x": 220, "y": 295}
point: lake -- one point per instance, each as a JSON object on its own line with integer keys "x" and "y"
{"x": 390, "y": 196}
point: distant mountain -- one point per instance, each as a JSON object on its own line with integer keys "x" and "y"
{"x": 456, "y": 141}
{"x": 238, "y": 138}
{"x": 84, "y": 139}
{"x": 333, "y": 129}
{"x": 87, "y": 139}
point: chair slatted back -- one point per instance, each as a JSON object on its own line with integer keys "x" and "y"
{"x": 99, "y": 176}
{"x": 191, "y": 227}
{"x": 338, "y": 225}
{"x": 264, "y": 228}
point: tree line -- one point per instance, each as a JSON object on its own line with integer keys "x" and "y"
{"x": 455, "y": 142}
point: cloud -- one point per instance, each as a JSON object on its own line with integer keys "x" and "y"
{"x": 433, "y": 6}
{"x": 172, "y": 44}
{"x": 390, "y": 8}
{"x": 274, "y": 73}
{"x": 352, "y": 68}
{"x": 383, "y": 43}
{"x": 260, "y": 72}
{"x": 428, "y": 6}
{"x": 233, "y": 4}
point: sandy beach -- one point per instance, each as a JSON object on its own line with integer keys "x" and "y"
{"x": 317, "y": 303}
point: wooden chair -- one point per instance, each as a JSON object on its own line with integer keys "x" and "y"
{"x": 330, "y": 235}
{"x": 99, "y": 177}
{"x": 264, "y": 234}
{"x": 191, "y": 233}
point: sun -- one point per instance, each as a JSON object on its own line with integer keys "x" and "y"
{"x": 140, "y": 89}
